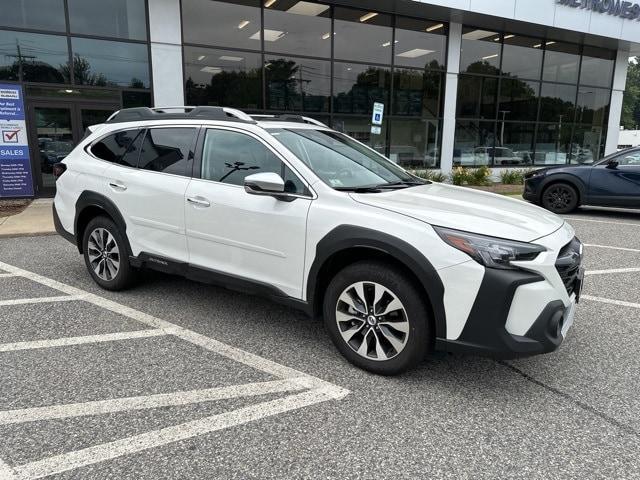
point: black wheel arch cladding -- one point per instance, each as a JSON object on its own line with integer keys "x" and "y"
{"x": 97, "y": 202}
{"x": 348, "y": 237}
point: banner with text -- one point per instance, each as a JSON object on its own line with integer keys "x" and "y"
{"x": 16, "y": 179}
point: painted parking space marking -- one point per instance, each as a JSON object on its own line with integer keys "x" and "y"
{"x": 6, "y": 275}
{"x": 623, "y": 249}
{"x": 610, "y": 301}
{"x": 302, "y": 389}
{"x": 610, "y": 222}
{"x": 612, "y": 270}
{"x": 68, "y": 341}
{"x": 144, "y": 402}
{"x": 25, "y": 301}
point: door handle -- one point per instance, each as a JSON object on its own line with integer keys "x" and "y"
{"x": 117, "y": 186}
{"x": 198, "y": 201}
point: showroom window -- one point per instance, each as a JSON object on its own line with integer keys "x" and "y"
{"x": 78, "y": 43}
{"x": 327, "y": 62}
{"x": 530, "y": 101}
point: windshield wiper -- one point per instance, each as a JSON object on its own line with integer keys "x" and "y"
{"x": 381, "y": 187}
{"x": 407, "y": 183}
{"x": 365, "y": 189}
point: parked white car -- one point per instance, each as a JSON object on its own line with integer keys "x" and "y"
{"x": 288, "y": 208}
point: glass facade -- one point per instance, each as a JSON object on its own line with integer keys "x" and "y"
{"x": 529, "y": 101}
{"x": 77, "y": 42}
{"x": 327, "y": 62}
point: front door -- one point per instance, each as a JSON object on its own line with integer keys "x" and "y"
{"x": 616, "y": 186}
{"x": 54, "y": 129}
{"x": 259, "y": 238}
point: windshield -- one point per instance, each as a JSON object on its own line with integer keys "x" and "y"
{"x": 340, "y": 161}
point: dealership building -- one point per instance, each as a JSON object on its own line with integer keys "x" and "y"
{"x": 503, "y": 83}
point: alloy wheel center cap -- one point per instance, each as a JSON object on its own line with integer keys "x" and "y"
{"x": 372, "y": 320}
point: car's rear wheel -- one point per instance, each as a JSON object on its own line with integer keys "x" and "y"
{"x": 105, "y": 254}
{"x": 377, "y": 318}
{"x": 560, "y": 198}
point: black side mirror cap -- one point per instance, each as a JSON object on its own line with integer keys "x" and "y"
{"x": 613, "y": 164}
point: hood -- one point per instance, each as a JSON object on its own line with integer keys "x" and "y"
{"x": 467, "y": 209}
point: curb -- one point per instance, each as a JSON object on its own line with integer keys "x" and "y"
{"x": 27, "y": 234}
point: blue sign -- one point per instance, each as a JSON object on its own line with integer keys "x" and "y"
{"x": 16, "y": 179}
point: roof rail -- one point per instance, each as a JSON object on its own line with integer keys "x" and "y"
{"x": 179, "y": 113}
{"x": 287, "y": 117}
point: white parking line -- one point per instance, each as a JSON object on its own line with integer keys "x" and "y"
{"x": 5, "y": 275}
{"x": 610, "y": 301}
{"x": 23, "y": 301}
{"x": 318, "y": 391}
{"x": 6, "y": 472}
{"x": 624, "y": 249}
{"x": 612, "y": 270}
{"x": 150, "y": 401}
{"x": 67, "y": 341}
{"x": 602, "y": 221}
{"x": 164, "y": 436}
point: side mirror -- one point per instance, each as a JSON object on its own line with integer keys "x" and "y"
{"x": 613, "y": 164}
{"x": 267, "y": 183}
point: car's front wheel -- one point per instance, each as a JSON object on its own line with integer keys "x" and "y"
{"x": 377, "y": 318}
{"x": 105, "y": 254}
{"x": 560, "y": 198}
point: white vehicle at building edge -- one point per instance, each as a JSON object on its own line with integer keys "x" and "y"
{"x": 288, "y": 208}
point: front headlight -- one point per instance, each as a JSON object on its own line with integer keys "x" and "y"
{"x": 490, "y": 251}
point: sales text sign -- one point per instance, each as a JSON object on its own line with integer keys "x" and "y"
{"x": 16, "y": 179}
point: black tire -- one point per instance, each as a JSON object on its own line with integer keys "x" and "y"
{"x": 125, "y": 274}
{"x": 560, "y": 198}
{"x": 418, "y": 340}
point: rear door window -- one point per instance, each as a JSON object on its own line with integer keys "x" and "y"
{"x": 168, "y": 150}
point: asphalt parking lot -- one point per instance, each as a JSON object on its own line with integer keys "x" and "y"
{"x": 175, "y": 379}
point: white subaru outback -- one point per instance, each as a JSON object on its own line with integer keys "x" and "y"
{"x": 288, "y": 208}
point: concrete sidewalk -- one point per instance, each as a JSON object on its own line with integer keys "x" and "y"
{"x": 36, "y": 219}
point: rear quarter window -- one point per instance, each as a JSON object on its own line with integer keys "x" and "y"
{"x": 119, "y": 147}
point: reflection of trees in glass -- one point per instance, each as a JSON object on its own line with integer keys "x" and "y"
{"x": 283, "y": 79}
{"x": 31, "y": 70}
{"x": 418, "y": 92}
{"x": 227, "y": 88}
{"x": 370, "y": 86}
{"x": 631, "y": 105}
{"x": 82, "y": 73}
{"x": 483, "y": 68}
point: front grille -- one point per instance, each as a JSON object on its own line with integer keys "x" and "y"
{"x": 568, "y": 264}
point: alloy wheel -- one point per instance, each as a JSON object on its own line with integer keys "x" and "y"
{"x": 104, "y": 254}
{"x": 558, "y": 197}
{"x": 372, "y": 321}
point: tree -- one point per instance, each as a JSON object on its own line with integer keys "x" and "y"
{"x": 631, "y": 105}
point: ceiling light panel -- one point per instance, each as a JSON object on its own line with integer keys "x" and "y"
{"x": 269, "y": 35}
{"x": 368, "y": 16}
{"x": 478, "y": 34}
{"x": 415, "y": 53}
{"x": 309, "y": 9}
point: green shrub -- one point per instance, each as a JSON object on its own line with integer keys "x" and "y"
{"x": 459, "y": 176}
{"x": 480, "y": 176}
{"x": 514, "y": 176}
{"x": 471, "y": 176}
{"x": 431, "y": 175}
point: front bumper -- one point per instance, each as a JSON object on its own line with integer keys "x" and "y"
{"x": 485, "y": 332}
{"x": 525, "y": 312}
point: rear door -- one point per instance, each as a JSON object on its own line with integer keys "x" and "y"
{"x": 619, "y": 186}
{"x": 151, "y": 196}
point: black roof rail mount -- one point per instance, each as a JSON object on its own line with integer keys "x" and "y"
{"x": 179, "y": 113}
